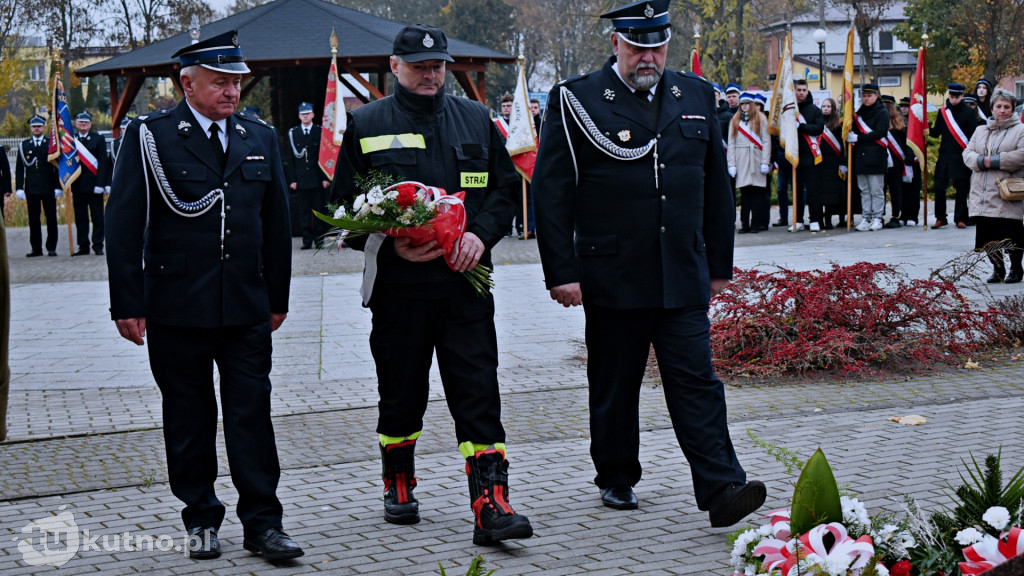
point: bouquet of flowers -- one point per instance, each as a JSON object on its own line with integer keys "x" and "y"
{"x": 411, "y": 210}
{"x": 986, "y": 551}
{"x": 823, "y": 534}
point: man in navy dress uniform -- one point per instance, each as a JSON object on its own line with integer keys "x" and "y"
{"x": 199, "y": 255}
{"x": 305, "y": 178}
{"x": 87, "y": 190}
{"x": 36, "y": 182}
{"x": 635, "y": 221}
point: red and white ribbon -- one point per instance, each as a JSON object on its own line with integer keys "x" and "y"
{"x": 750, "y": 136}
{"x": 832, "y": 141}
{"x": 992, "y": 552}
{"x": 954, "y": 128}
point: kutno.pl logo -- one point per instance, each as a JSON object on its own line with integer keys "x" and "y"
{"x": 55, "y": 540}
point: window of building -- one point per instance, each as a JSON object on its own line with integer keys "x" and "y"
{"x": 889, "y": 80}
{"x": 885, "y": 43}
{"x": 1018, "y": 88}
{"x": 780, "y": 42}
{"x": 37, "y": 73}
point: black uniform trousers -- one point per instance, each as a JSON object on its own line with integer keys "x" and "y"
{"x": 618, "y": 343}
{"x": 88, "y": 204}
{"x": 808, "y": 181}
{"x": 408, "y": 328}
{"x": 755, "y": 207}
{"x": 310, "y": 199}
{"x": 182, "y": 360}
{"x": 962, "y": 186}
{"x": 911, "y": 193}
{"x": 47, "y": 205}
{"x": 894, "y": 184}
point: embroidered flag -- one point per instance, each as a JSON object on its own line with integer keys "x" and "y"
{"x": 917, "y": 124}
{"x": 64, "y": 151}
{"x": 522, "y": 136}
{"x": 695, "y": 63}
{"x": 335, "y": 121}
{"x": 848, "y": 86}
{"x": 783, "y": 113}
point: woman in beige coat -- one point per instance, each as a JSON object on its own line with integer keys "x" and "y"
{"x": 996, "y": 151}
{"x": 750, "y": 152}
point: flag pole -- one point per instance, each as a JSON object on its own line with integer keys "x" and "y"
{"x": 849, "y": 186}
{"x": 526, "y": 222}
{"x": 789, "y": 38}
{"x": 924, "y": 165}
{"x": 69, "y": 215}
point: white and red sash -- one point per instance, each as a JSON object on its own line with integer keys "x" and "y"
{"x": 832, "y": 141}
{"x": 725, "y": 146}
{"x": 954, "y": 128}
{"x": 502, "y": 126}
{"x": 895, "y": 147}
{"x": 85, "y": 157}
{"x": 750, "y": 136}
{"x": 812, "y": 141}
{"x": 864, "y": 129}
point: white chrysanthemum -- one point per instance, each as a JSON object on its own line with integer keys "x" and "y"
{"x": 364, "y": 209}
{"x": 739, "y": 547}
{"x": 765, "y": 530}
{"x": 836, "y": 564}
{"x": 391, "y": 195}
{"x": 340, "y": 212}
{"x": 360, "y": 200}
{"x": 377, "y": 210}
{"x": 968, "y": 536}
{"x": 375, "y": 195}
{"x": 997, "y": 517}
{"x": 908, "y": 540}
{"x": 854, "y": 512}
{"x": 881, "y": 570}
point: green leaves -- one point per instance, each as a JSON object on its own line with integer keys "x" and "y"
{"x": 816, "y": 496}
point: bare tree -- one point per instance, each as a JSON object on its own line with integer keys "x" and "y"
{"x": 11, "y": 12}
{"x": 70, "y": 24}
{"x": 867, "y": 14}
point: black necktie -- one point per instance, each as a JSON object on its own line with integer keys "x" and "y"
{"x": 218, "y": 148}
{"x": 643, "y": 95}
{"x": 305, "y": 131}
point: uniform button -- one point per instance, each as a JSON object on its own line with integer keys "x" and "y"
{"x": 226, "y": 185}
{"x": 227, "y": 208}
{"x": 259, "y": 173}
{"x": 662, "y": 197}
{"x": 662, "y": 166}
{"x": 161, "y": 266}
{"x": 227, "y": 256}
{"x": 184, "y": 172}
{"x": 659, "y": 136}
{"x": 227, "y": 232}
{"x": 662, "y": 229}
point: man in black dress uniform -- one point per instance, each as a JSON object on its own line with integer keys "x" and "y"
{"x": 199, "y": 254}
{"x": 421, "y": 306}
{"x": 635, "y": 221}
{"x": 87, "y": 190}
{"x": 305, "y": 177}
{"x": 36, "y": 182}
{"x": 954, "y": 124}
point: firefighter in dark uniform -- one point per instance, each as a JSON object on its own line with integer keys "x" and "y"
{"x": 199, "y": 255}
{"x": 635, "y": 221}
{"x": 115, "y": 148}
{"x": 88, "y": 189}
{"x": 36, "y": 182}
{"x": 950, "y": 165}
{"x": 419, "y": 305}
{"x": 305, "y": 178}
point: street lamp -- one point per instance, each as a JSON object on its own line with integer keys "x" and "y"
{"x": 820, "y": 35}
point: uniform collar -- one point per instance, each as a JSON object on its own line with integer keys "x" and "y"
{"x": 615, "y": 68}
{"x": 205, "y": 122}
{"x": 417, "y": 103}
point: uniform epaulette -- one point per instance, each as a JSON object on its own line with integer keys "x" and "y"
{"x": 157, "y": 115}
{"x": 698, "y": 77}
{"x": 573, "y": 79}
{"x": 253, "y": 119}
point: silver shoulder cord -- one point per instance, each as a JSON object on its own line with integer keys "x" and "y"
{"x": 599, "y": 140}
{"x": 21, "y": 152}
{"x": 291, "y": 140}
{"x": 151, "y": 161}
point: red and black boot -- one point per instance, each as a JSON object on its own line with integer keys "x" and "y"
{"x": 488, "y": 493}
{"x": 399, "y": 474}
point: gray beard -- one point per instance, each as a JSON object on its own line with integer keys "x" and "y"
{"x": 647, "y": 81}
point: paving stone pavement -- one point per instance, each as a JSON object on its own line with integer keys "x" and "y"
{"x": 85, "y": 428}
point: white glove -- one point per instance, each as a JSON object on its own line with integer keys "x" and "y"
{"x": 20, "y": 194}
{"x": 732, "y": 171}
{"x": 106, "y": 190}
{"x": 57, "y": 192}
{"x": 97, "y": 190}
{"x": 765, "y": 168}
{"x": 851, "y": 137}
{"x": 843, "y": 169}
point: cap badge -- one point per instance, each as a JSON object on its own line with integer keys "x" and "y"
{"x": 609, "y": 95}
{"x": 676, "y": 92}
{"x": 428, "y": 41}
{"x": 648, "y": 11}
{"x": 624, "y": 135}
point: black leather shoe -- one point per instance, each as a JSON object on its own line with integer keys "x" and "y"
{"x": 1014, "y": 277}
{"x": 51, "y": 253}
{"x": 735, "y": 501}
{"x": 33, "y": 254}
{"x": 997, "y": 274}
{"x": 81, "y": 252}
{"x": 272, "y": 544}
{"x": 619, "y": 497}
{"x": 893, "y": 223}
{"x": 780, "y": 223}
{"x": 98, "y": 251}
{"x": 203, "y": 543}
{"x": 744, "y": 231}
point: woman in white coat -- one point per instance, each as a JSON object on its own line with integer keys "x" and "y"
{"x": 750, "y": 151}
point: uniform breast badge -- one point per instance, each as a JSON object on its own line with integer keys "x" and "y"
{"x": 676, "y": 92}
{"x": 609, "y": 95}
{"x": 241, "y": 130}
{"x": 184, "y": 128}
{"x": 624, "y": 135}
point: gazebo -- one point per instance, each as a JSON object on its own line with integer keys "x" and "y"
{"x": 288, "y": 41}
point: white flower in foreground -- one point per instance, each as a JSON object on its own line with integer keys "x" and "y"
{"x": 881, "y": 570}
{"x": 739, "y": 547}
{"x": 854, "y": 512}
{"x": 340, "y": 212}
{"x": 360, "y": 200}
{"x": 391, "y": 195}
{"x": 997, "y": 517}
{"x": 375, "y": 195}
{"x": 377, "y": 210}
{"x": 968, "y": 536}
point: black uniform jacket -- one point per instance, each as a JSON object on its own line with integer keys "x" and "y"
{"x": 442, "y": 141}
{"x": 303, "y": 170}
{"x": 813, "y": 125}
{"x": 32, "y": 172}
{"x": 168, "y": 268}
{"x": 5, "y": 173}
{"x": 950, "y": 163}
{"x": 870, "y": 155}
{"x": 643, "y": 233}
{"x": 87, "y": 181}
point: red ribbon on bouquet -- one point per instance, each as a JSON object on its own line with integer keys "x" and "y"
{"x": 446, "y": 228}
{"x": 992, "y": 552}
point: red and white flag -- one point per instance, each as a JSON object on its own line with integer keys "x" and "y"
{"x": 917, "y": 126}
{"x": 521, "y": 142}
{"x": 334, "y": 121}
{"x": 695, "y": 63}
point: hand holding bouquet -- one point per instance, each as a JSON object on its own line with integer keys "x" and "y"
{"x": 419, "y": 213}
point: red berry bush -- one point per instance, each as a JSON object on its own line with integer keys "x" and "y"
{"x": 860, "y": 318}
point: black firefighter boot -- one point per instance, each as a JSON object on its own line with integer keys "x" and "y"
{"x": 488, "y": 493}
{"x": 399, "y": 474}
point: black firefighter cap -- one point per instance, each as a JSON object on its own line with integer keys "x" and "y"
{"x": 644, "y": 24}
{"x": 417, "y": 43}
{"x": 220, "y": 54}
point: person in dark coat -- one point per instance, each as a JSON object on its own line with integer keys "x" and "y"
{"x": 833, "y": 166}
{"x": 911, "y": 208}
{"x": 808, "y": 171}
{"x": 420, "y": 305}
{"x": 870, "y": 156}
{"x": 36, "y": 182}
{"x": 87, "y": 191}
{"x": 955, "y": 124}
{"x": 199, "y": 260}
{"x": 643, "y": 245}
{"x": 305, "y": 178}
{"x": 5, "y": 178}
{"x": 901, "y": 171}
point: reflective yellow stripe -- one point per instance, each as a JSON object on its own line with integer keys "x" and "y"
{"x": 473, "y": 180}
{"x": 391, "y": 141}
{"x": 389, "y": 440}
{"x": 468, "y": 449}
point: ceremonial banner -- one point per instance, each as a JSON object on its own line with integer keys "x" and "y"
{"x": 917, "y": 124}
{"x": 695, "y": 63}
{"x": 848, "y": 86}
{"x": 522, "y": 136}
{"x": 64, "y": 152}
{"x": 782, "y": 119}
{"x": 334, "y": 121}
